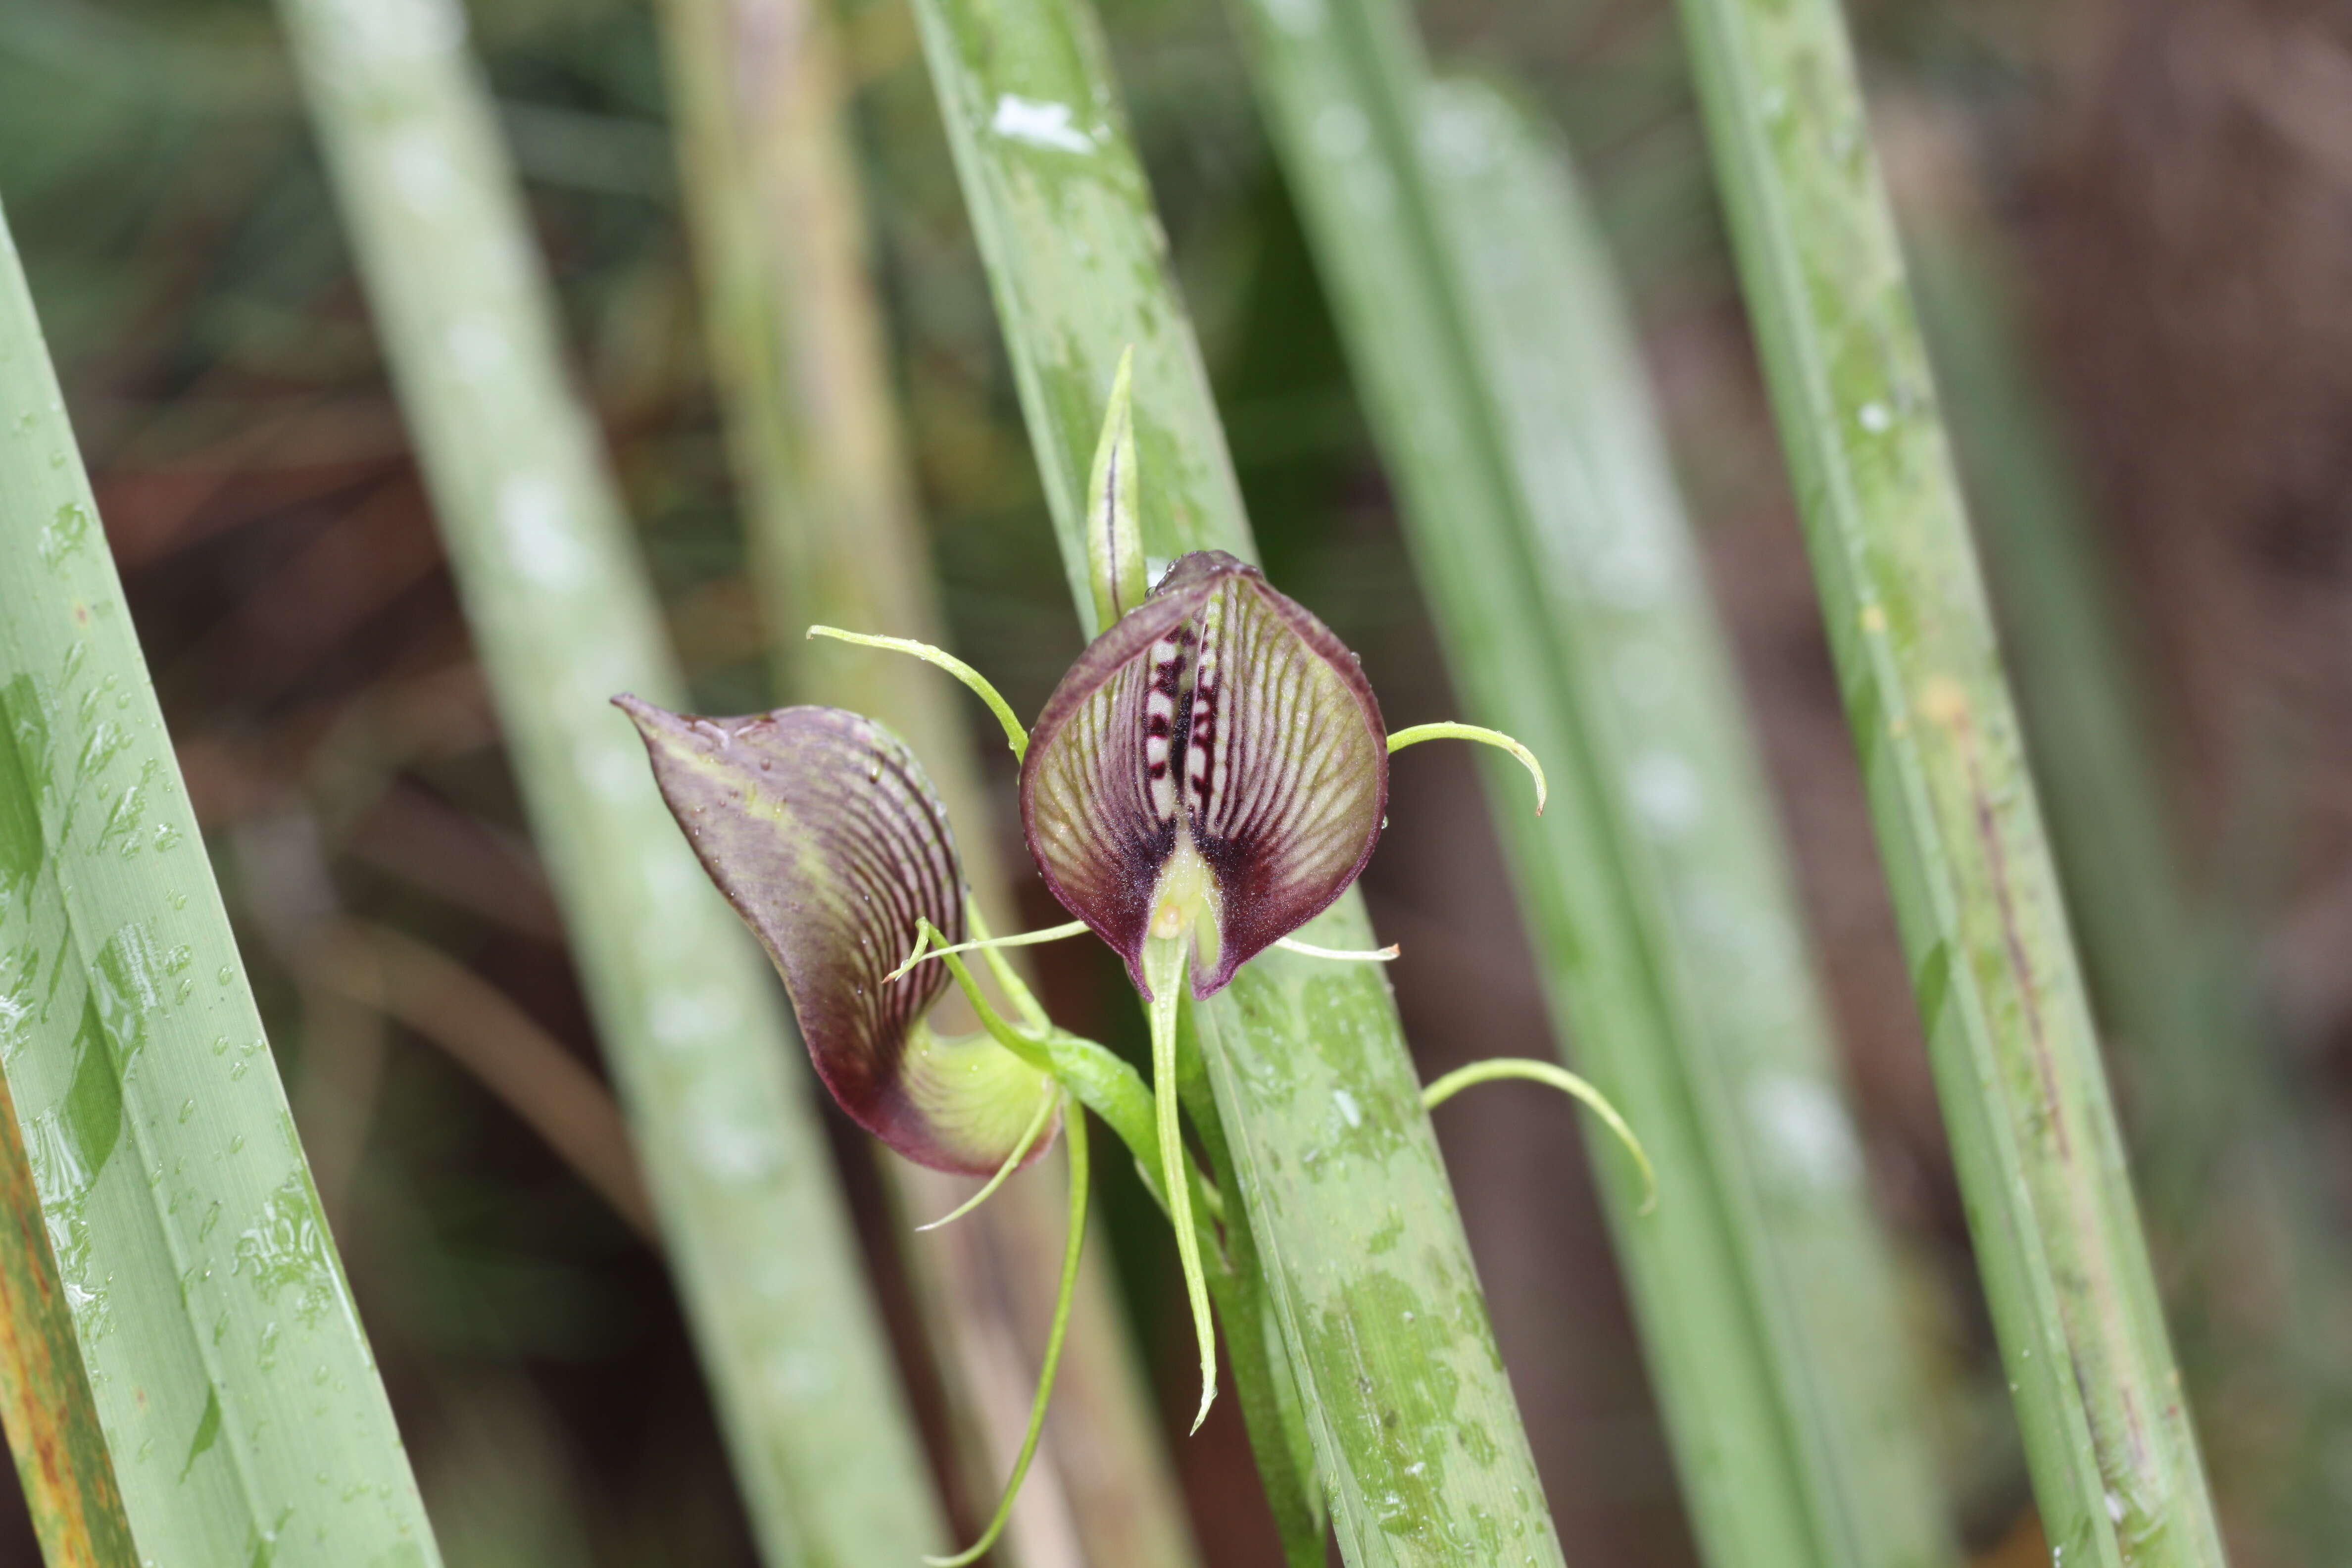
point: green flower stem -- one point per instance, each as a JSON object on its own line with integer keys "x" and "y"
{"x": 1418, "y": 1442}
{"x": 1261, "y": 1378}
{"x": 212, "y": 1337}
{"x": 2106, "y": 1430}
{"x": 1167, "y": 965}
{"x": 1500, "y": 375}
{"x": 1074, "y": 1138}
{"x": 2225, "y": 1148}
{"x": 696, "y": 1036}
{"x": 1235, "y": 1284}
{"x": 796, "y": 345}
{"x": 1102, "y": 1082}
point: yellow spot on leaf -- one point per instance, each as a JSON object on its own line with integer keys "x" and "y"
{"x": 1944, "y": 702}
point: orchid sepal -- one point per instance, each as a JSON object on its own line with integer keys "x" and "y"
{"x": 822, "y": 830}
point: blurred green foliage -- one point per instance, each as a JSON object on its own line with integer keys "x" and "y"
{"x": 255, "y": 485}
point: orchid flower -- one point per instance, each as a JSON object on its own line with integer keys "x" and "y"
{"x": 823, "y": 831}
{"x": 1211, "y": 774}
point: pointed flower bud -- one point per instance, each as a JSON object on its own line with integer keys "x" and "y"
{"x": 822, "y": 830}
{"x": 1114, "y": 518}
{"x": 1215, "y": 763}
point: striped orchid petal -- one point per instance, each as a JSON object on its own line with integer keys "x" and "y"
{"x": 1214, "y": 761}
{"x": 822, "y": 830}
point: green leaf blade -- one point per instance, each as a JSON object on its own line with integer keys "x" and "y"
{"x": 833, "y": 532}
{"x": 816, "y": 1424}
{"x": 223, "y": 1351}
{"x": 1509, "y": 403}
{"x": 1078, "y": 269}
{"x": 2107, "y": 1435}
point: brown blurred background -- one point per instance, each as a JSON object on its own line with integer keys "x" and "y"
{"x": 2165, "y": 189}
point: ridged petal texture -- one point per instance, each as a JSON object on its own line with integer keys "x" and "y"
{"x": 1222, "y": 715}
{"x": 822, "y": 830}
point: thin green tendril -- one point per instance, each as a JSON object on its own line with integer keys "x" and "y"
{"x": 1345, "y": 954}
{"x": 987, "y": 944}
{"x": 1559, "y": 1078}
{"x": 1014, "y": 735}
{"x": 1401, "y": 739}
{"x": 1035, "y": 1052}
{"x": 1102, "y": 1082}
{"x": 1025, "y": 1002}
{"x": 1074, "y": 1138}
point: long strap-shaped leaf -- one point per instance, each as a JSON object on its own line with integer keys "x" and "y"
{"x": 54, "y": 1431}
{"x": 1479, "y": 312}
{"x": 563, "y": 619}
{"x": 2226, "y": 1147}
{"x": 2107, "y": 1430}
{"x": 238, "y": 1399}
{"x": 795, "y": 346}
{"x": 1414, "y": 1426}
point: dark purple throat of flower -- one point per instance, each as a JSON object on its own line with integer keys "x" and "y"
{"x": 1214, "y": 762}
{"x": 822, "y": 830}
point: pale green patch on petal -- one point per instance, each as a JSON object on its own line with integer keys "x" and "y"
{"x": 1012, "y": 1163}
{"x": 977, "y": 1097}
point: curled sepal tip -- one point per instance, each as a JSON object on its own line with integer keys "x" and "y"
{"x": 1215, "y": 763}
{"x": 1401, "y": 739}
{"x": 822, "y": 830}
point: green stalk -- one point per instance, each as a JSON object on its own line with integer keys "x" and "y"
{"x": 219, "y": 1346}
{"x": 2155, "y": 973}
{"x": 1479, "y": 311}
{"x": 2228, "y": 1152}
{"x": 1419, "y": 1444}
{"x": 2106, "y": 1430}
{"x": 795, "y": 343}
{"x": 564, "y": 618}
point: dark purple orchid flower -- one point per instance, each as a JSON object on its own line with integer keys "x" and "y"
{"x": 1210, "y": 775}
{"x": 1213, "y": 763}
{"x": 822, "y": 830}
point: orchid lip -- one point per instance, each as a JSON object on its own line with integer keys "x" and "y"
{"x": 1216, "y": 759}
{"x": 822, "y": 830}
